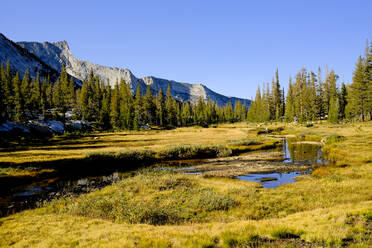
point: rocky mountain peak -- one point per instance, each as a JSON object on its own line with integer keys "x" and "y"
{"x": 53, "y": 55}
{"x": 63, "y": 45}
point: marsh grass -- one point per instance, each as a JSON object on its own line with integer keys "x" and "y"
{"x": 330, "y": 208}
{"x": 156, "y": 197}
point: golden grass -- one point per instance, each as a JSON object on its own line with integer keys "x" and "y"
{"x": 75, "y": 148}
{"x": 331, "y": 208}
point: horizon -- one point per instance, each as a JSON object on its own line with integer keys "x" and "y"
{"x": 192, "y": 48}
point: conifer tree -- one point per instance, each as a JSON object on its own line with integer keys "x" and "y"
{"x": 342, "y": 101}
{"x": 126, "y": 105}
{"x": 114, "y": 107}
{"x": 137, "y": 120}
{"x": 277, "y": 108}
{"x": 2, "y": 94}
{"x": 186, "y": 114}
{"x": 160, "y": 108}
{"x": 17, "y": 100}
{"x": 358, "y": 96}
{"x": 169, "y": 110}
{"x": 35, "y": 100}
{"x": 289, "y": 106}
{"x": 8, "y": 90}
{"x": 104, "y": 114}
{"x": 237, "y": 111}
{"x": 229, "y": 112}
{"x": 333, "y": 113}
{"x": 149, "y": 107}
{"x": 26, "y": 92}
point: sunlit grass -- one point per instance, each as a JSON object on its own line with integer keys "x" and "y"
{"x": 330, "y": 208}
{"x": 74, "y": 148}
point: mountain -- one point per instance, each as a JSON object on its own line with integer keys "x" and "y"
{"x": 20, "y": 59}
{"x": 51, "y": 56}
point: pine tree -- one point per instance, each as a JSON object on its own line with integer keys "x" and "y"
{"x": 160, "y": 108}
{"x": 49, "y": 93}
{"x": 229, "y": 112}
{"x": 342, "y": 101}
{"x": 26, "y": 92}
{"x": 186, "y": 114}
{"x": 289, "y": 106}
{"x": 114, "y": 107}
{"x": 8, "y": 90}
{"x": 358, "y": 96}
{"x": 368, "y": 77}
{"x": 137, "y": 121}
{"x": 149, "y": 107}
{"x": 17, "y": 100}
{"x": 104, "y": 115}
{"x": 170, "y": 115}
{"x": 2, "y": 94}
{"x": 237, "y": 111}
{"x": 333, "y": 110}
{"x": 35, "y": 101}
{"x": 277, "y": 104}
{"x": 126, "y": 105}
{"x": 43, "y": 97}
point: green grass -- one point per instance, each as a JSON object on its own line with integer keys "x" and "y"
{"x": 157, "y": 198}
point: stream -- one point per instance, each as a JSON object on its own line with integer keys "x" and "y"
{"x": 19, "y": 198}
{"x": 294, "y": 154}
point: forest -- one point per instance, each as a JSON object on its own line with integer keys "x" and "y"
{"x": 310, "y": 96}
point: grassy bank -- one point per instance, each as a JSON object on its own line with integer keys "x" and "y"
{"x": 129, "y": 149}
{"x": 332, "y": 207}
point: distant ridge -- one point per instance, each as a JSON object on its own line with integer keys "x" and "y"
{"x": 48, "y": 57}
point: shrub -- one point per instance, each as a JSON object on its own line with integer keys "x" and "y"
{"x": 285, "y": 233}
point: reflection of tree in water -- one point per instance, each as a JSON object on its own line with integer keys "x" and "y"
{"x": 305, "y": 153}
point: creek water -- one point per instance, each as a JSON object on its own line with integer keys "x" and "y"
{"x": 23, "y": 197}
{"x": 294, "y": 153}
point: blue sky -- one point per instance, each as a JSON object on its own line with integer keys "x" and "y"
{"x": 230, "y": 46}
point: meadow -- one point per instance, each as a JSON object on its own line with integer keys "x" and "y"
{"x": 331, "y": 207}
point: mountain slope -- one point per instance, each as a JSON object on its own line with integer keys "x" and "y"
{"x": 48, "y": 57}
{"x": 20, "y": 59}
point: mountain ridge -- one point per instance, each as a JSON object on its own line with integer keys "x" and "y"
{"x": 54, "y": 54}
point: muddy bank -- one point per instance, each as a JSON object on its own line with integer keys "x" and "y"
{"x": 264, "y": 162}
{"x": 269, "y": 168}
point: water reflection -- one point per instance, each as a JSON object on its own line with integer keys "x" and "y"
{"x": 294, "y": 153}
{"x": 303, "y": 153}
{"x": 25, "y": 197}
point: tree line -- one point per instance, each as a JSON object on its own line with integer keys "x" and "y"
{"x": 315, "y": 96}
{"x": 105, "y": 106}
{"x": 310, "y": 96}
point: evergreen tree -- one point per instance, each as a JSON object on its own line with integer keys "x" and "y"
{"x": 149, "y": 107}
{"x": 277, "y": 108}
{"x": 358, "y": 96}
{"x": 26, "y": 93}
{"x": 104, "y": 115}
{"x": 137, "y": 121}
{"x": 186, "y": 114}
{"x": 170, "y": 115}
{"x": 289, "y": 106}
{"x": 114, "y": 107}
{"x": 126, "y": 105}
{"x": 17, "y": 100}
{"x": 35, "y": 101}
{"x": 2, "y": 94}
{"x": 333, "y": 110}
{"x": 160, "y": 108}
{"x": 342, "y": 101}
